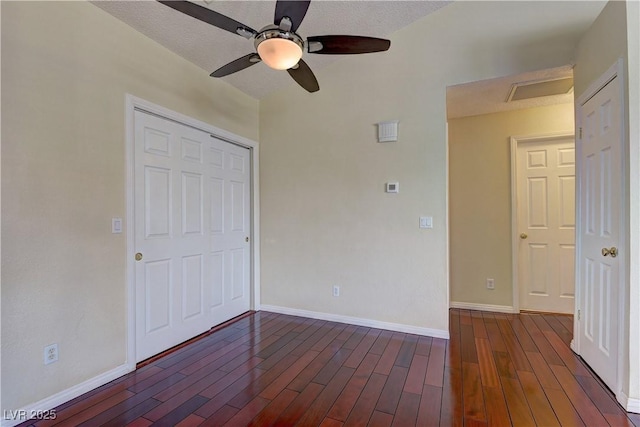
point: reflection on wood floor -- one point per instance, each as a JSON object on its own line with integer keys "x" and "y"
{"x": 271, "y": 369}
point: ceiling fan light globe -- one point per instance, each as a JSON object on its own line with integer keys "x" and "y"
{"x": 279, "y": 53}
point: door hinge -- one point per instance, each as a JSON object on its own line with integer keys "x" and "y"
{"x": 580, "y": 133}
{"x": 578, "y": 314}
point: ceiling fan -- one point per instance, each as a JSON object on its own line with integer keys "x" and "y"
{"x": 278, "y": 45}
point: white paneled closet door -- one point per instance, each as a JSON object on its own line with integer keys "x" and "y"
{"x": 191, "y": 193}
{"x": 601, "y": 205}
{"x": 546, "y": 224}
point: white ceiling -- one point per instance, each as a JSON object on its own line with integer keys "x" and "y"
{"x": 210, "y": 48}
{"x": 490, "y": 96}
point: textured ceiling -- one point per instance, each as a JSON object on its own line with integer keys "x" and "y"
{"x": 210, "y": 48}
{"x": 490, "y": 96}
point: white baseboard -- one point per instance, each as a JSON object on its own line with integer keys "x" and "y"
{"x": 629, "y": 404}
{"x": 45, "y": 405}
{"x": 483, "y": 307}
{"x": 397, "y": 327}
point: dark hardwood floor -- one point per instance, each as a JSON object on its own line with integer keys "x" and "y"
{"x": 270, "y": 369}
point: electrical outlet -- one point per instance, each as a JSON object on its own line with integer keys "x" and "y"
{"x": 336, "y": 291}
{"x": 50, "y": 354}
{"x": 491, "y": 284}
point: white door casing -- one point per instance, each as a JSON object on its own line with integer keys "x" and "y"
{"x": 600, "y": 229}
{"x": 196, "y": 270}
{"x": 545, "y": 222}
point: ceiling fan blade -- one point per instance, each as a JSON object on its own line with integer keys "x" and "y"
{"x": 346, "y": 45}
{"x": 237, "y": 65}
{"x": 209, "y": 16}
{"x": 303, "y": 75}
{"x": 294, "y": 9}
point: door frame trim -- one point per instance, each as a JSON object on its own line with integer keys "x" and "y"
{"x": 616, "y": 70}
{"x": 514, "y": 141}
{"x": 133, "y": 103}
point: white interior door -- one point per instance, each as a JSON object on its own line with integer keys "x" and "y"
{"x": 600, "y": 207}
{"x": 191, "y": 192}
{"x": 546, "y": 224}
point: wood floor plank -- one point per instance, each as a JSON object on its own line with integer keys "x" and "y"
{"x": 362, "y": 349}
{"x": 563, "y": 408}
{"x": 139, "y": 422}
{"x": 542, "y": 371}
{"x": 580, "y": 400}
{"x": 544, "y": 346}
{"x": 301, "y": 381}
{"x": 96, "y": 409}
{"x": 479, "y": 329}
{"x": 273, "y": 410}
{"x": 366, "y": 403}
{"x": 248, "y": 411}
{"x": 351, "y": 392}
{"x": 299, "y": 406}
{"x": 279, "y": 384}
{"x": 191, "y": 421}
{"x": 495, "y": 336}
{"x": 407, "y": 411}
{"x": 571, "y": 361}
{"x": 451, "y": 410}
{"x": 268, "y": 369}
{"x": 522, "y": 334}
{"x": 473, "y": 401}
{"x": 417, "y": 374}
{"x": 558, "y": 328}
{"x": 132, "y": 402}
{"x": 467, "y": 344}
{"x": 517, "y": 405}
{"x": 257, "y": 386}
{"x": 538, "y": 403}
{"x": 453, "y": 359}
{"x": 355, "y": 339}
{"x": 436, "y": 365}
{"x": 380, "y": 419}
{"x": 465, "y": 317}
{"x": 408, "y": 348}
{"x": 381, "y": 342}
{"x": 332, "y": 366}
{"x": 486, "y": 363}
{"x": 392, "y": 390}
{"x": 599, "y": 396}
{"x": 429, "y": 409}
{"x": 424, "y": 346}
{"x": 181, "y": 412}
{"x": 330, "y": 422}
{"x": 504, "y": 365}
{"x": 221, "y": 416}
{"x": 518, "y": 357}
{"x": 496, "y": 407}
{"x": 390, "y": 353}
{"x": 132, "y": 414}
{"x": 319, "y": 408}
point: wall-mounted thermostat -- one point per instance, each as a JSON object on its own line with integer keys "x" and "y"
{"x": 393, "y": 187}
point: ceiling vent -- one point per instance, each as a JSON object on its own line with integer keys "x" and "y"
{"x": 540, "y": 88}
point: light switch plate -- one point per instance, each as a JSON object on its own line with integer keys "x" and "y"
{"x": 116, "y": 225}
{"x": 426, "y": 222}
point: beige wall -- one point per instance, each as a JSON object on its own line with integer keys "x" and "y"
{"x": 66, "y": 67}
{"x": 325, "y": 217}
{"x": 614, "y": 35}
{"x": 480, "y": 197}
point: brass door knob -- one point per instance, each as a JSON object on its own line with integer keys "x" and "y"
{"x": 523, "y": 236}
{"x": 138, "y": 256}
{"x": 613, "y": 252}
